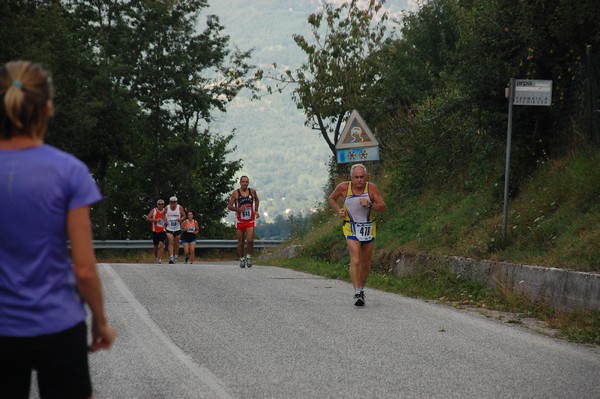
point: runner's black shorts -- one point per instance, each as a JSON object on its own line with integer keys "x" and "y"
{"x": 159, "y": 237}
{"x": 60, "y": 359}
{"x": 187, "y": 238}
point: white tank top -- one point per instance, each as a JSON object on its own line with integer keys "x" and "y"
{"x": 172, "y": 216}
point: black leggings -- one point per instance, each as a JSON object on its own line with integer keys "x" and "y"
{"x": 60, "y": 359}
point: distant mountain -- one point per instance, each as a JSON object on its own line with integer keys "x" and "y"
{"x": 286, "y": 161}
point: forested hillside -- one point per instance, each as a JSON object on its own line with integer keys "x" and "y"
{"x": 437, "y": 102}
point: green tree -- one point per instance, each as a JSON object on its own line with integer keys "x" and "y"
{"x": 94, "y": 119}
{"x": 339, "y": 69}
{"x": 446, "y": 76}
{"x": 180, "y": 77}
{"x": 137, "y": 84}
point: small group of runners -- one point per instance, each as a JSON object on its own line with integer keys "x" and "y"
{"x": 173, "y": 225}
{"x": 169, "y": 223}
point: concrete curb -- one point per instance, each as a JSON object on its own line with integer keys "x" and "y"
{"x": 562, "y": 288}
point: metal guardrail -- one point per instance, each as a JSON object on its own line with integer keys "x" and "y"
{"x": 147, "y": 244}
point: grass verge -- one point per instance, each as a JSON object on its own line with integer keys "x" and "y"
{"x": 146, "y": 256}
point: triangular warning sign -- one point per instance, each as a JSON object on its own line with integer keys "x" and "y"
{"x": 356, "y": 133}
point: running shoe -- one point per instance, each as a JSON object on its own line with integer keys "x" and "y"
{"x": 171, "y": 260}
{"x": 359, "y": 298}
{"x": 242, "y": 263}
{"x": 248, "y": 262}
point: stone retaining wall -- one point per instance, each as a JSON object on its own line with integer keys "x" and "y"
{"x": 557, "y": 287}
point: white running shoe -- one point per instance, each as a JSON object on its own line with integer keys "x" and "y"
{"x": 359, "y": 298}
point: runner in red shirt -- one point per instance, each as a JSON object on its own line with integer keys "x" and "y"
{"x": 158, "y": 218}
{"x": 244, "y": 201}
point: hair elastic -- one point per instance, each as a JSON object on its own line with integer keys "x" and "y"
{"x": 17, "y": 83}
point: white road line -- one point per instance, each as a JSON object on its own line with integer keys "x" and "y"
{"x": 203, "y": 373}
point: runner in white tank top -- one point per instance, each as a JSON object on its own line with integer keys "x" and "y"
{"x": 175, "y": 215}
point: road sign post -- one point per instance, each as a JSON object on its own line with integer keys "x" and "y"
{"x": 522, "y": 92}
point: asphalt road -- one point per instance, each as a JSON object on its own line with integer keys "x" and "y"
{"x": 213, "y": 330}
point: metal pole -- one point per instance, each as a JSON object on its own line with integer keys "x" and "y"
{"x": 511, "y": 97}
{"x": 590, "y": 95}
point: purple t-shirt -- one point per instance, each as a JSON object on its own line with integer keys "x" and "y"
{"x": 38, "y": 187}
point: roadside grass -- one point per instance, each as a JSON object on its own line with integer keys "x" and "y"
{"x": 147, "y": 256}
{"x": 441, "y": 285}
{"x": 577, "y": 326}
{"x": 124, "y": 256}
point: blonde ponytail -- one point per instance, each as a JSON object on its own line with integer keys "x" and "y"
{"x": 26, "y": 92}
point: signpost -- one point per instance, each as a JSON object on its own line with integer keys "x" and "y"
{"x": 522, "y": 92}
{"x": 357, "y": 143}
{"x": 533, "y": 92}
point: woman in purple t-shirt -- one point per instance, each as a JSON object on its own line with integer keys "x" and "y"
{"x": 42, "y": 289}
